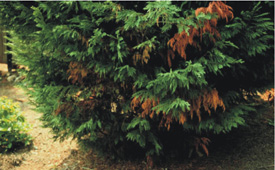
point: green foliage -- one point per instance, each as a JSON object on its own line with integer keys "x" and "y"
{"x": 13, "y": 128}
{"x": 103, "y": 72}
{"x": 271, "y": 122}
{"x": 252, "y": 33}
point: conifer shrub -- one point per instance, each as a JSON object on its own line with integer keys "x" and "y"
{"x": 13, "y": 128}
{"x": 141, "y": 78}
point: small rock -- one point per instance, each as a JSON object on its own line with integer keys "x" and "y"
{"x": 17, "y": 162}
{"x": 11, "y": 78}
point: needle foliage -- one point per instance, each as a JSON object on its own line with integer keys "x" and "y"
{"x": 144, "y": 75}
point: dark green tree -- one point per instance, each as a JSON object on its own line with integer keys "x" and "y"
{"x": 146, "y": 75}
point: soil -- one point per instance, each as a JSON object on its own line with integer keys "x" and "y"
{"x": 249, "y": 147}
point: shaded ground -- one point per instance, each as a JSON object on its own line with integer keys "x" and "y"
{"x": 247, "y": 148}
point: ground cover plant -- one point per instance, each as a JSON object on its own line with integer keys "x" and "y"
{"x": 13, "y": 128}
{"x": 148, "y": 78}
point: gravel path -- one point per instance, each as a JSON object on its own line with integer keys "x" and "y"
{"x": 45, "y": 153}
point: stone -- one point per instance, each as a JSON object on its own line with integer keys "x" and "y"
{"x": 11, "y": 78}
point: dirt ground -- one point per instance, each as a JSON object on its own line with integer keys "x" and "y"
{"x": 44, "y": 153}
{"x": 247, "y": 148}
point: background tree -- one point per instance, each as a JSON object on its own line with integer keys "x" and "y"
{"x": 158, "y": 76}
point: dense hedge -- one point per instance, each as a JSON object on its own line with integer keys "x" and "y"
{"x": 149, "y": 75}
